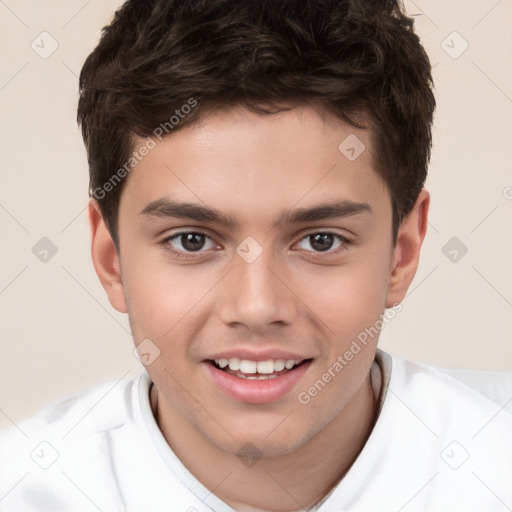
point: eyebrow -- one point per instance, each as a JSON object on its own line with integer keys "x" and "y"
{"x": 166, "y": 208}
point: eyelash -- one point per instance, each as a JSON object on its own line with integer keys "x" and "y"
{"x": 318, "y": 254}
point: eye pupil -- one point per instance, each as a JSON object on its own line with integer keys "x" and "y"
{"x": 192, "y": 241}
{"x": 321, "y": 241}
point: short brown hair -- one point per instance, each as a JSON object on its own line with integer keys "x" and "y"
{"x": 348, "y": 56}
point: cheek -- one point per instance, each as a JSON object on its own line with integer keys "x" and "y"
{"x": 162, "y": 299}
{"x": 347, "y": 298}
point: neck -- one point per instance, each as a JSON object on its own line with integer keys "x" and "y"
{"x": 286, "y": 483}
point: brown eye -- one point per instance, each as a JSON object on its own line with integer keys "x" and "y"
{"x": 192, "y": 241}
{"x": 321, "y": 241}
{"x": 188, "y": 242}
{"x": 324, "y": 242}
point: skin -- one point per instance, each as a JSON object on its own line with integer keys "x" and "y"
{"x": 293, "y": 296}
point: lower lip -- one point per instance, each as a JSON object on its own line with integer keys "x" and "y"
{"x": 256, "y": 391}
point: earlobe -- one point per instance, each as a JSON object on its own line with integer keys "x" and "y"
{"x": 406, "y": 253}
{"x": 105, "y": 258}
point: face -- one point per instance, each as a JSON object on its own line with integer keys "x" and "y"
{"x": 281, "y": 256}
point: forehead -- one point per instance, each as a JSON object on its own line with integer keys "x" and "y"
{"x": 250, "y": 163}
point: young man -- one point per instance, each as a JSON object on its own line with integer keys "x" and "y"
{"x": 257, "y": 202}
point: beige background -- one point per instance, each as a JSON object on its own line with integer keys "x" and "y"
{"x": 59, "y": 334}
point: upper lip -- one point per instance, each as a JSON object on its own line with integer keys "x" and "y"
{"x": 257, "y": 355}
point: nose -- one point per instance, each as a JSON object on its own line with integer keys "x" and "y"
{"x": 257, "y": 294}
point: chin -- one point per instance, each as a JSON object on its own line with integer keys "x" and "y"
{"x": 254, "y": 449}
{"x": 265, "y": 439}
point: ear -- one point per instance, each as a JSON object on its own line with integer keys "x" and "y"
{"x": 406, "y": 253}
{"x": 105, "y": 258}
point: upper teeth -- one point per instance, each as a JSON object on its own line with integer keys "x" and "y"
{"x": 247, "y": 366}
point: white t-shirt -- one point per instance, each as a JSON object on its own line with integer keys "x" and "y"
{"x": 437, "y": 445}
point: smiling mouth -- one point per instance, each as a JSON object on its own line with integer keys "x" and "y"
{"x": 257, "y": 370}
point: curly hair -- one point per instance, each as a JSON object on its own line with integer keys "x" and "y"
{"x": 357, "y": 59}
